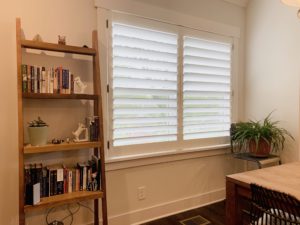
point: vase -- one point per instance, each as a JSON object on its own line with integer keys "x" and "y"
{"x": 38, "y": 136}
{"x": 262, "y": 149}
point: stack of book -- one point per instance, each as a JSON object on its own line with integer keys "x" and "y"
{"x": 38, "y": 79}
{"x": 59, "y": 179}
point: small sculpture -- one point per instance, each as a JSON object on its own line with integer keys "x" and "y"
{"x": 81, "y": 128}
{"x": 80, "y": 84}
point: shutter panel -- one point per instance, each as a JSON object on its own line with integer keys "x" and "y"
{"x": 144, "y": 86}
{"x": 206, "y": 88}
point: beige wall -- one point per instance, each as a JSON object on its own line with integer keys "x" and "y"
{"x": 176, "y": 185}
{"x": 272, "y": 66}
{"x": 170, "y": 187}
{"x": 76, "y": 20}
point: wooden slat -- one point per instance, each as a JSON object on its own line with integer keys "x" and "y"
{"x": 60, "y": 147}
{"x": 99, "y": 112}
{"x": 20, "y": 124}
{"x": 57, "y": 47}
{"x": 59, "y": 96}
{"x": 63, "y": 199}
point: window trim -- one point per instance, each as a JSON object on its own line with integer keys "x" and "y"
{"x": 133, "y": 151}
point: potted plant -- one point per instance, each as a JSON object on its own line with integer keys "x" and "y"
{"x": 259, "y": 138}
{"x": 38, "y": 132}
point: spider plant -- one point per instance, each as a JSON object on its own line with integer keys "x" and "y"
{"x": 268, "y": 131}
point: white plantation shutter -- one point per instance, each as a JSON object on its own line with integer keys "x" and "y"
{"x": 144, "y": 83}
{"x": 206, "y": 88}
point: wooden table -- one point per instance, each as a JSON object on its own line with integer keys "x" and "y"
{"x": 283, "y": 178}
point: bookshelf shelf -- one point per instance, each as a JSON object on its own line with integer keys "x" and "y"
{"x": 63, "y": 199}
{"x": 57, "y": 47}
{"x": 60, "y": 147}
{"x": 25, "y": 150}
{"x": 59, "y": 96}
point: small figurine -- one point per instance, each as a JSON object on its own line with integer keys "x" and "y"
{"x": 37, "y": 37}
{"x": 80, "y": 84}
{"x": 57, "y": 141}
{"x": 81, "y": 128}
{"x": 61, "y": 40}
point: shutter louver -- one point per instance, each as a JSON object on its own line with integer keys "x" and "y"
{"x": 144, "y": 86}
{"x": 206, "y": 89}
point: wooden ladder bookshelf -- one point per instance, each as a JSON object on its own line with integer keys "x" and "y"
{"x": 98, "y": 146}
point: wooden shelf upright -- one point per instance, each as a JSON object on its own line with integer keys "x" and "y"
{"x": 98, "y": 146}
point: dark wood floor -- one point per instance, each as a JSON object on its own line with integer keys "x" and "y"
{"x": 215, "y": 213}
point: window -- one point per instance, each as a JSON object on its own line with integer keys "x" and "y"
{"x": 144, "y": 86}
{"x": 168, "y": 88}
{"x": 206, "y": 88}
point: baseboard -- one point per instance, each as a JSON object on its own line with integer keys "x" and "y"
{"x": 140, "y": 216}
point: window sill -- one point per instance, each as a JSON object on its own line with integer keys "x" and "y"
{"x": 118, "y": 163}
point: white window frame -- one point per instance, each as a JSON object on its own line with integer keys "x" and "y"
{"x": 170, "y": 147}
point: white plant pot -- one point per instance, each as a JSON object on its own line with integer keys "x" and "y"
{"x": 38, "y": 135}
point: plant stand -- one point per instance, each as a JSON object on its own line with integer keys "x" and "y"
{"x": 261, "y": 162}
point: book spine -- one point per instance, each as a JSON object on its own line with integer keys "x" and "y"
{"x": 32, "y": 78}
{"x": 61, "y": 80}
{"x": 81, "y": 179}
{"x": 58, "y": 81}
{"x": 51, "y": 82}
{"x": 51, "y": 182}
{"x": 24, "y": 78}
{"x": 38, "y": 80}
{"x": 84, "y": 178}
{"x": 28, "y": 79}
{"x": 69, "y": 82}
{"x": 77, "y": 186}
{"x": 73, "y": 180}
{"x": 70, "y": 181}
{"x": 72, "y": 84}
{"x": 55, "y": 182}
{"x": 35, "y": 79}
{"x": 43, "y": 80}
{"x": 66, "y": 177}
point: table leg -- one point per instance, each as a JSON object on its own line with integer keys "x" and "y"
{"x": 231, "y": 204}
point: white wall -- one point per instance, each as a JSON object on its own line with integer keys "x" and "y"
{"x": 170, "y": 187}
{"x": 272, "y": 67}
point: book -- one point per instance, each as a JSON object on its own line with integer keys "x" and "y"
{"x": 28, "y": 79}
{"x": 66, "y": 179}
{"x": 77, "y": 186}
{"x": 24, "y": 78}
{"x": 32, "y": 79}
{"x": 72, "y": 84}
{"x": 60, "y": 181}
{"x": 73, "y": 179}
{"x": 45, "y": 183}
{"x": 38, "y": 80}
{"x": 43, "y": 80}
{"x": 70, "y": 181}
{"x": 51, "y": 80}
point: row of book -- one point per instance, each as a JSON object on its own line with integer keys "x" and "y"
{"x": 59, "y": 179}
{"x": 37, "y": 79}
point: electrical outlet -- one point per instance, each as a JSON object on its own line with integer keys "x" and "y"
{"x": 141, "y": 193}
